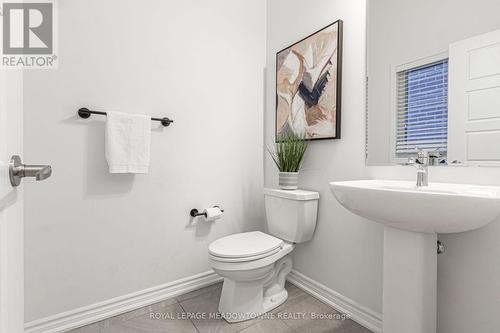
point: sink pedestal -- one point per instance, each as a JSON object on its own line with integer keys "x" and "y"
{"x": 409, "y": 281}
{"x": 412, "y": 217}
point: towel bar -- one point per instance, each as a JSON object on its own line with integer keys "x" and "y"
{"x": 85, "y": 113}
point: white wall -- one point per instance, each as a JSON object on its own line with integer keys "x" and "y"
{"x": 402, "y": 31}
{"x": 346, "y": 251}
{"x": 469, "y": 271}
{"x": 91, "y": 236}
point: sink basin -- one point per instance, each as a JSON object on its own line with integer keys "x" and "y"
{"x": 437, "y": 208}
{"x": 412, "y": 217}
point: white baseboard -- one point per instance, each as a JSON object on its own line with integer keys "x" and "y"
{"x": 69, "y": 320}
{"x": 65, "y": 321}
{"x": 359, "y": 313}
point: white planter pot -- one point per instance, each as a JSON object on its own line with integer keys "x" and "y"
{"x": 288, "y": 180}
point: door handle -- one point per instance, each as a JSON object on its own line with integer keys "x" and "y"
{"x": 18, "y": 170}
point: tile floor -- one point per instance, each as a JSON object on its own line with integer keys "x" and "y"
{"x": 191, "y": 313}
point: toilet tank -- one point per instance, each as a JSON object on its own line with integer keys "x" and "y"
{"x": 291, "y": 214}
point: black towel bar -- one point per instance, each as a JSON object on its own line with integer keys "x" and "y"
{"x": 85, "y": 113}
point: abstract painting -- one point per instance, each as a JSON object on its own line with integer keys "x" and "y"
{"x": 308, "y": 85}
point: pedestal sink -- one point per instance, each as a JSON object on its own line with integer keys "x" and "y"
{"x": 412, "y": 216}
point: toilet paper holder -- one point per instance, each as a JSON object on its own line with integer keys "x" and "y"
{"x": 195, "y": 212}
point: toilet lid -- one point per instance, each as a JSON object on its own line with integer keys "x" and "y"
{"x": 246, "y": 244}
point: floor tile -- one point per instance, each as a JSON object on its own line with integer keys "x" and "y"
{"x": 207, "y": 304}
{"x": 164, "y": 320}
{"x": 93, "y": 328}
{"x": 139, "y": 312}
{"x": 269, "y": 326}
{"x": 350, "y": 326}
{"x": 213, "y": 288}
{"x": 298, "y": 314}
{"x": 310, "y": 315}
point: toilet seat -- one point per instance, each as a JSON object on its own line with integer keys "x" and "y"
{"x": 244, "y": 259}
{"x": 246, "y": 246}
{"x": 221, "y": 264}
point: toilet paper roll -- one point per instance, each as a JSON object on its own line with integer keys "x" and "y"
{"x": 212, "y": 213}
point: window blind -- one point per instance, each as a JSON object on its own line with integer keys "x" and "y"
{"x": 422, "y": 109}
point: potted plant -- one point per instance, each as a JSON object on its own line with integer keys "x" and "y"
{"x": 288, "y": 153}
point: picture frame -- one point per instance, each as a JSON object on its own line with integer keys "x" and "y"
{"x": 308, "y": 86}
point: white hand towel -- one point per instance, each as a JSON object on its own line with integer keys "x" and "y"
{"x": 128, "y": 139}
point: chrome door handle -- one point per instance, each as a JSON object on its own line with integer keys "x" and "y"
{"x": 18, "y": 170}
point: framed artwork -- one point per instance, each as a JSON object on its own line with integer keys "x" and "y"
{"x": 308, "y": 85}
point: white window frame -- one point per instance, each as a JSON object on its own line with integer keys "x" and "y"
{"x": 394, "y": 96}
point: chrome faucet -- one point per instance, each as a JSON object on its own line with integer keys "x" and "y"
{"x": 437, "y": 157}
{"x": 421, "y": 162}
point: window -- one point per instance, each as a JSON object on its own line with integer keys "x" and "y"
{"x": 422, "y": 109}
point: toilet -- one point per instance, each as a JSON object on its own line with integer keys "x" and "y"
{"x": 255, "y": 264}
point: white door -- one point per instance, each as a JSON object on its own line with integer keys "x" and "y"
{"x": 474, "y": 100}
{"x": 11, "y": 218}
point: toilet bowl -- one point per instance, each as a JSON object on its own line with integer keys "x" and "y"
{"x": 255, "y": 264}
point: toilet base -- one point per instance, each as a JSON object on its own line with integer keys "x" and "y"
{"x": 272, "y": 302}
{"x": 244, "y": 300}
